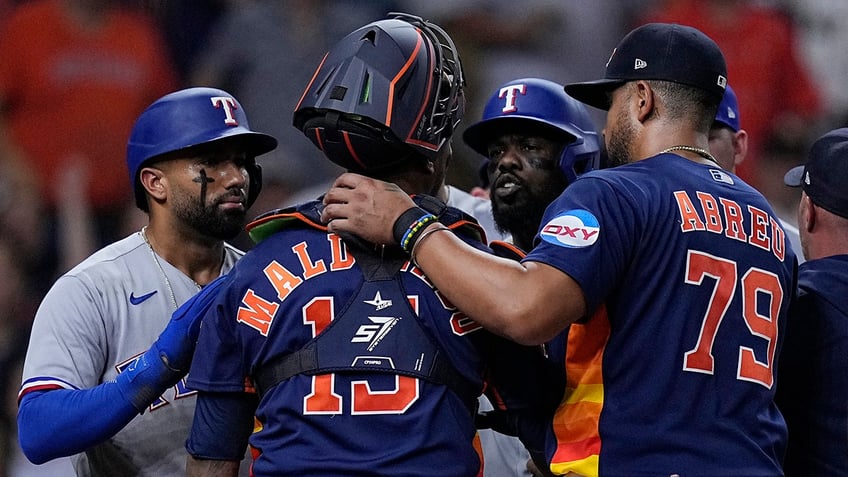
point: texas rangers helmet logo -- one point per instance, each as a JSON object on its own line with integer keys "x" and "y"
{"x": 228, "y": 104}
{"x": 511, "y": 92}
{"x": 574, "y": 229}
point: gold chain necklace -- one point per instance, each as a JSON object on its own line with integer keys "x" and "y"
{"x": 162, "y": 270}
{"x": 697, "y": 150}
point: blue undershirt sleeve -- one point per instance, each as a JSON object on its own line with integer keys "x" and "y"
{"x": 63, "y": 422}
{"x": 222, "y": 425}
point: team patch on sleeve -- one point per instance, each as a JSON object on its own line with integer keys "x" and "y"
{"x": 575, "y": 228}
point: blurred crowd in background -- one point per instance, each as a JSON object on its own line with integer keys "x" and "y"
{"x": 74, "y": 74}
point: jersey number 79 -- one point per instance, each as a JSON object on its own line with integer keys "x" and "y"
{"x": 752, "y": 284}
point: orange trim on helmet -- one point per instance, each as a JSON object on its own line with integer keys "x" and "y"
{"x": 285, "y": 215}
{"x": 399, "y": 75}
{"x": 403, "y": 70}
{"x": 319, "y": 140}
{"x": 314, "y": 75}
{"x": 432, "y": 60}
{"x": 351, "y": 150}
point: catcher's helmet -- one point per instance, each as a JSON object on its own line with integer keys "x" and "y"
{"x": 543, "y": 104}
{"x": 189, "y": 118}
{"x": 389, "y": 89}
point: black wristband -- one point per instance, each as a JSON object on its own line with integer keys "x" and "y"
{"x": 405, "y": 221}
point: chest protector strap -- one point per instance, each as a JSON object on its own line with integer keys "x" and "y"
{"x": 377, "y": 331}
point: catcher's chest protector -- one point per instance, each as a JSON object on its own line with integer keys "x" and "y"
{"x": 392, "y": 341}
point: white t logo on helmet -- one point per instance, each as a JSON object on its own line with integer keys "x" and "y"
{"x": 511, "y": 92}
{"x": 229, "y": 104}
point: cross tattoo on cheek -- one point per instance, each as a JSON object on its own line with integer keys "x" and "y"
{"x": 204, "y": 180}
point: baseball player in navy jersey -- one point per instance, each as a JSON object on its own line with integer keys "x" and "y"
{"x": 729, "y": 145}
{"x": 685, "y": 267}
{"x": 813, "y": 377}
{"x": 93, "y": 385}
{"x": 536, "y": 140}
{"x": 350, "y": 360}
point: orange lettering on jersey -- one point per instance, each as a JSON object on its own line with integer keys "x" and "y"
{"x": 711, "y": 215}
{"x": 733, "y": 217}
{"x": 727, "y": 216}
{"x": 256, "y": 312}
{"x": 689, "y": 219}
{"x": 341, "y": 259}
{"x": 310, "y": 268}
{"x": 759, "y": 228}
{"x": 778, "y": 240}
{"x": 283, "y": 281}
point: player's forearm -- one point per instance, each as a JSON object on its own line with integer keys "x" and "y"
{"x": 211, "y": 468}
{"x": 526, "y": 302}
{"x": 63, "y": 422}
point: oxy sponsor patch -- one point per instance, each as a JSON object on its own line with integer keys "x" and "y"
{"x": 574, "y": 228}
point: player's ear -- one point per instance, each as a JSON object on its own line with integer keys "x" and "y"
{"x": 154, "y": 182}
{"x": 430, "y": 166}
{"x": 740, "y": 146}
{"x": 807, "y": 213}
{"x": 643, "y": 99}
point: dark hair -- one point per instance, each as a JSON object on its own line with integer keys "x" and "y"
{"x": 687, "y": 103}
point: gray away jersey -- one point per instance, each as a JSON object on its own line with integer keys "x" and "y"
{"x": 92, "y": 323}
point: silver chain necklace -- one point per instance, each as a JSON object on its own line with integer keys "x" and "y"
{"x": 697, "y": 150}
{"x": 162, "y": 270}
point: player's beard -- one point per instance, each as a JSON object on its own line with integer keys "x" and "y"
{"x": 207, "y": 218}
{"x": 620, "y": 140}
{"x": 526, "y": 211}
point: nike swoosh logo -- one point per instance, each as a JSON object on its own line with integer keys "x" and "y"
{"x": 136, "y": 300}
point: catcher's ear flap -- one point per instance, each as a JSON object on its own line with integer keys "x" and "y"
{"x": 254, "y": 172}
{"x": 354, "y": 144}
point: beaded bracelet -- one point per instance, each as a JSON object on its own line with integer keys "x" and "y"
{"x": 406, "y": 221}
{"x": 414, "y": 230}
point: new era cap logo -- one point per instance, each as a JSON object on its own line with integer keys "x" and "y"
{"x": 722, "y": 81}
{"x": 730, "y": 113}
{"x": 807, "y": 177}
{"x": 640, "y": 63}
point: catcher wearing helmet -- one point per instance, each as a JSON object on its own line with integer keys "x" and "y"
{"x": 341, "y": 349}
{"x": 93, "y": 385}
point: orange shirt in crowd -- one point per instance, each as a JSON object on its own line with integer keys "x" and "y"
{"x": 73, "y": 93}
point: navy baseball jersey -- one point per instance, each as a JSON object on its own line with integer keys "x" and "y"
{"x": 813, "y": 378}
{"x": 688, "y": 278}
{"x": 95, "y": 321}
{"x": 345, "y": 419}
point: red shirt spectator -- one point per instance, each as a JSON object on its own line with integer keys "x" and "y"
{"x": 775, "y": 90}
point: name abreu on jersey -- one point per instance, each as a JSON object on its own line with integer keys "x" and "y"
{"x": 706, "y": 212}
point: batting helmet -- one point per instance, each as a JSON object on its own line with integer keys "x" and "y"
{"x": 189, "y": 118}
{"x": 728, "y": 110}
{"x": 543, "y": 104}
{"x": 385, "y": 92}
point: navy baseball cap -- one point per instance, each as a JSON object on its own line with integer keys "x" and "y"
{"x": 825, "y": 175}
{"x": 658, "y": 51}
{"x": 728, "y": 110}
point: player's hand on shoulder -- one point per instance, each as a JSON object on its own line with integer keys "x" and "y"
{"x": 177, "y": 341}
{"x": 365, "y": 207}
